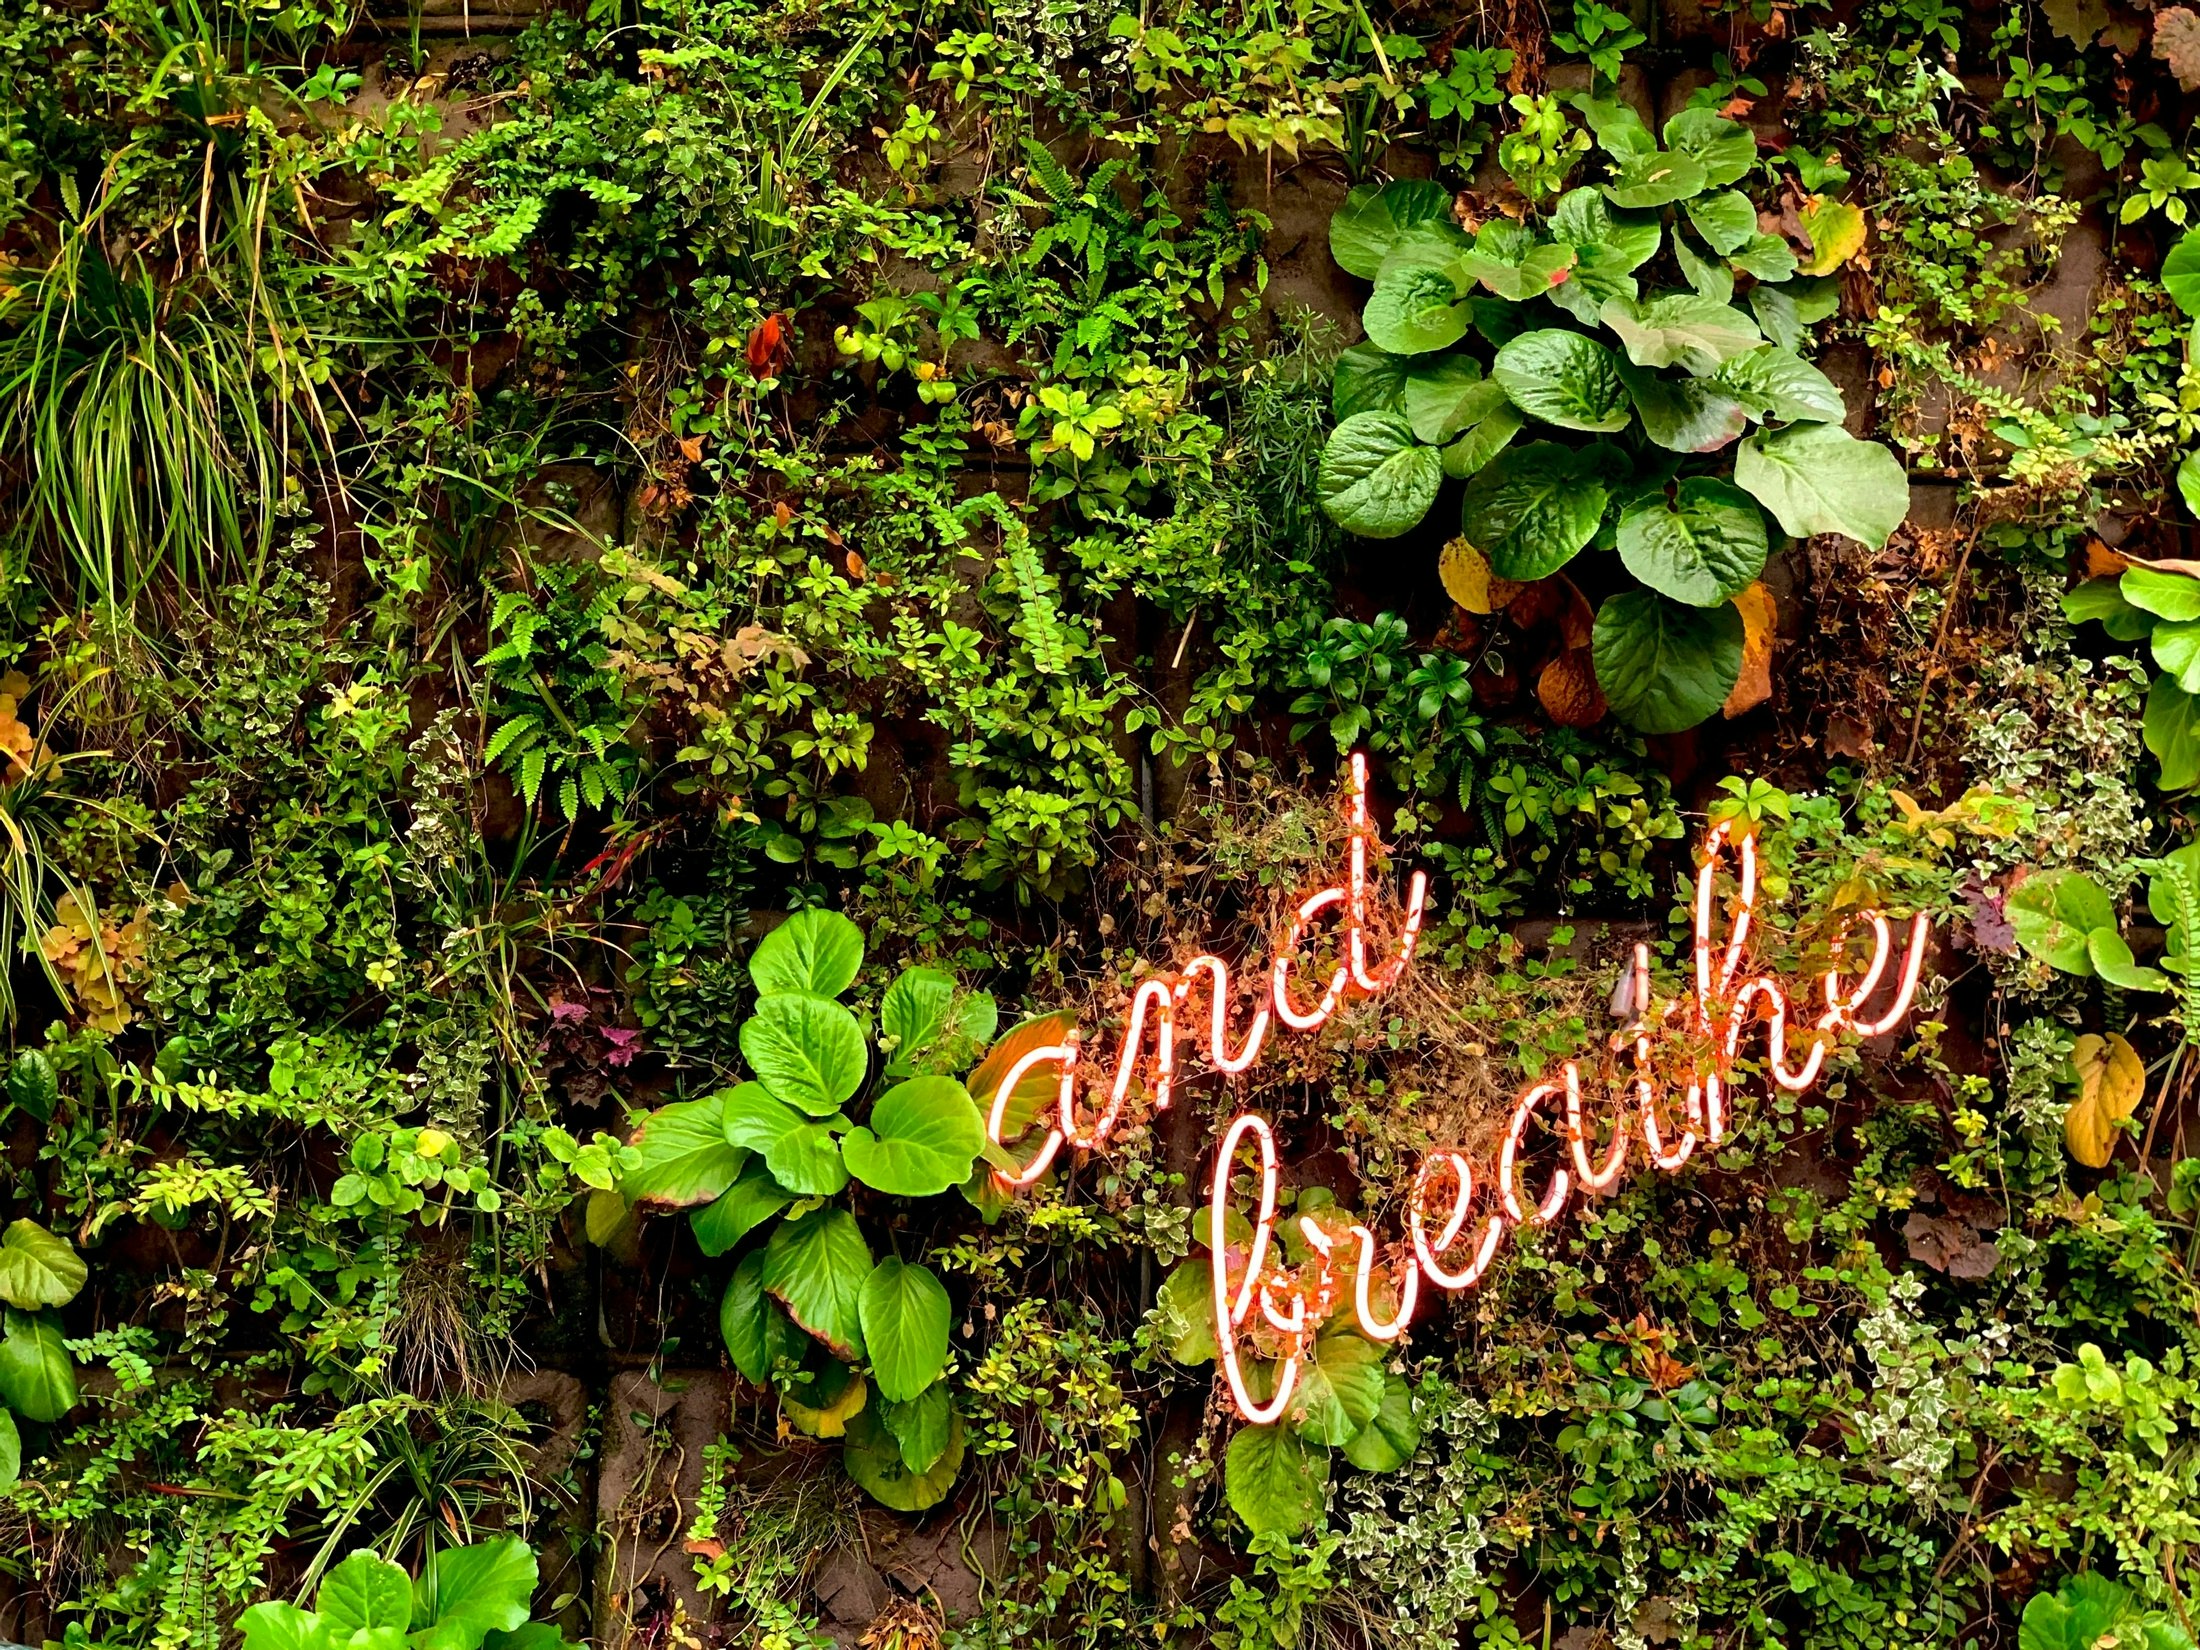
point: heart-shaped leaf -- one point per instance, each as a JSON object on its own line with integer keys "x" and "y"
{"x": 1703, "y": 547}
{"x": 934, "y": 1024}
{"x": 922, "y": 1138}
{"x": 1375, "y": 479}
{"x": 1725, "y": 219}
{"x": 808, "y": 1050}
{"x": 2112, "y": 1080}
{"x": 1630, "y": 240}
{"x": 685, "y": 1156}
{"x": 1564, "y": 378}
{"x": 1656, "y": 179}
{"x": 1665, "y": 666}
{"x": 465, "y": 1593}
{"x": 1531, "y": 509}
{"x": 1818, "y": 478}
{"x": 815, "y": 951}
{"x": 2053, "y": 912}
{"x": 1373, "y": 221}
{"x": 364, "y": 1592}
{"x": 802, "y": 1152}
{"x": 278, "y": 1626}
{"x": 905, "y": 1312}
{"x": 1391, "y": 1436}
{"x": 1684, "y": 415}
{"x": 2164, "y": 594}
{"x": 1340, "y": 1388}
{"x": 816, "y": 1268}
{"x": 1415, "y": 308}
{"x": 1466, "y": 456}
{"x": 1725, "y": 150}
{"x": 1274, "y": 1479}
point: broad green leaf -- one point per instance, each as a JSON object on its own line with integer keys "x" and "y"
{"x": 1771, "y": 259}
{"x": 1391, "y": 1436}
{"x": 37, "y": 1378}
{"x": 1484, "y": 442}
{"x": 1598, "y": 275}
{"x": 1707, "y": 277}
{"x": 1777, "y": 383}
{"x": 464, "y": 1593}
{"x": 802, "y": 1152}
{"x": 2172, "y": 728}
{"x": 1776, "y": 313}
{"x": 1681, "y": 329}
{"x": 2167, "y": 595}
{"x": 935, "y": 1025}
{"x": 746, "y": 1205}
{"x": 1415, "y": 309}
{"x": 1704, "y": 546}
{"x": 2112, "y": 960}
{"x": 815, "y": 951}
{"x": 2054, "y": 912}
{"x": 1619, "y": 131}
{"x": 38, "y": 1269}
{"x": 364, "y": 1592}
{"x": 34, "y": 1085}
{"x": 1663, "y": 665}
{"x": 1375, "y": 479}
{"x": 874, "y": 1459}
{"x": 2177, "y": 650}
{"x": 278, "y": 1626}
{"x": 816, "y": 1268}
{"x": 2188, "y": 482}
{"x": 905, "y": 1313}
{"x": 1340, "y": 1388}
{"x": 686, "y": 1158}
{"x": 922, "y": 1138}
{"x": 757, "y": 1331}
{"x": 1509, "y": 261}
{"x": 1184, "y": 1312}
{"x": 1684, "y": 415}
{"x": 1725, "y": 220}
{"x": 1724, "y": 149}
{"x": 1584, "y": 219}
{"x": 1446, "y": 395}
{"x": 807, "y": 1049}
{"x": 2101, "y": 601}
{"x": 921, "y": 1426}
{"x": 1368, "y": 379}
{"x": 1818, "y": 478}
{"x": 1655, "y": 180}
{"x": 1564, "y": 378}
{"x": 2181, "y": 273}
{"x": 1274, "y": 1479}
{"x": 1531, "y": 509}
{"x": 11, "y": 1450}
{"x": 1035, "y": 1092}
{"x": 1374, "y": 220}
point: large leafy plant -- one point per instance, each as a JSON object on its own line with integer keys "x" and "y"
{"x": 477, "y": 1597}
{"x": 1624, "y": 375}
{"x": 855, "y": 1346}
{"x": 38, "y": 1272}
{"x": 2158, "y": 605}
{"x": 2091, "y": 1612}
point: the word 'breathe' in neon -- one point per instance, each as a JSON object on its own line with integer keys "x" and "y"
{"x": 1448, "y": 1245}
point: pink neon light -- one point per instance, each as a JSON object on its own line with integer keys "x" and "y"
{"x": 1726, "y": 1007}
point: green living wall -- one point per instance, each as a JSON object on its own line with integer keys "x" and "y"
{"x": 619, "y": 611}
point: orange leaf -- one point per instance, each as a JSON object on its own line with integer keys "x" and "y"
{"x": 1569, "y": 691}
{"x": 1759, "y": 617}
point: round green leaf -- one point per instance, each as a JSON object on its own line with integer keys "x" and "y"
{"x": 1466, "y": 456}
{"x": 2172, "y": 728}
{"x": 1447, "y": 394}
{"x": 1368, "y": 379}
{"x": 1777, "y": 383}
{"x": 34, "y": 1085}
{"x": 923, "y": 1136}
{"x": 2164, "y": 594}
{"x": 1374, "y": 220}
{"x": 2181, "y": 273}
{"x": 1340, "y": 1388}
{"x": 364, "y": 1592}
{"x": 1818, "y": 478}
{"x": 922, "y": 1426}
{"x": 1725, "y": 220}
{"x": 1724, "y": 149}
{"x": 1703, "y": 547}
{"x": 1681, "y": 329}
{"x": 2176, "y": 644}
{"x": 2055, "y": 912}
{"x": 1531, "y": 509}
{"x": 1655, "y": 180}
{"x": 813, "y": 951}
{"x": 278, "y": 1626}
{"x": 36, "y": 1376}
{"x": 1415, "y": 309}
{"x": 1391, "y": 1435}
{"x": 685, "y": 1156}
{"x": 1564, "y": 378}
{"x": 469, "y": 1592}
{"x": 1665, "y": 666}
{"x": 1584, "y": 219}
{"x": 802, "y": 1153}
{"x": 873, "y": 1457}
{"x": 1684, "y": 415}
{"x": 934, "y": 1024}
{"x": 905, "y": 1312}
{"x": 808, "y": 1050}
{"x": 757, "y": 1331}
{"x": 746, "y": 1205}
{"x": 38, "y": 1269}
{"x": 1375, "y": 479}
{"x": 1274, "y": 1479}
{"x": 816, "y": 1268}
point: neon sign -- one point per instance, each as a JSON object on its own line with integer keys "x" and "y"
{"x": 1446, "y": 1246}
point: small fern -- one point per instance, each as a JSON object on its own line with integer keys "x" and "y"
{"x": 1049, "y": 173}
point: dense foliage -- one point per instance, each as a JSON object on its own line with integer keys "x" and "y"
{"x": 620, "y": 613}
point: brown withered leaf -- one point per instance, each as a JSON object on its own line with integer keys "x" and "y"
{"x": 2103, "y": 563}
{"x": 1578, "y": 623}
{"x": 752, "y": 643}
{"x": 2177, "y": 43}
{"x": 1569, "y": 691}
{"x": 1537, "y": 603}
{"x": 1760, "y": 618}
{"x": 1950, "y": 1245}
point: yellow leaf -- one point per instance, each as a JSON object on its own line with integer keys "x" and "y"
{"x": 1836, "y": 231}
{"x": 1760, "y": 617}
{"x": 831, "y": 1421}
{"x": 2112, "y": 1080}
{"x": 1469, "y": 581}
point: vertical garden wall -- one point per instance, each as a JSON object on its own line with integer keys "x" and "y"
{"x": 1045, "y": 824}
